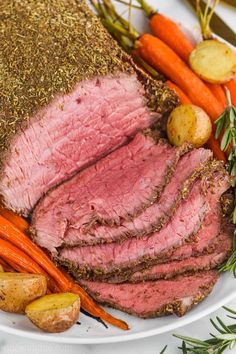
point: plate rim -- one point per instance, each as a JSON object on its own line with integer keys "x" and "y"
{"x": 122, "y": 338}
{"x": 47, "y": 337}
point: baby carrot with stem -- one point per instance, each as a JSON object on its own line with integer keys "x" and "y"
{"x": 158, "y": 54}
{"x": 11, "y": 233}
{"x": 168, "y": 31}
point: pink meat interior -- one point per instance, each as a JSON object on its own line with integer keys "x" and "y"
{"x": 72, "y": 132}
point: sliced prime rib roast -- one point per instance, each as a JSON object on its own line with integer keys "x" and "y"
{"x": 190, "y": 166}
{"x": 171, "y": 268}
{"x": 213, "y": 240}
{"x": 155, "y": 298}
{"x": 128, "y": 179}
{"x": 69, "y": 95}
{"x": 116, "y": 188}
{"x": 107, "y": 259}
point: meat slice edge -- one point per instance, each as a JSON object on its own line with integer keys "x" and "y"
{"x": 171, "y": 269}
{"x": 153, "y": 218}
{"x": 155, "y": 298}
{"x": 117, "y": 187}
{"x": 103, "y": 260}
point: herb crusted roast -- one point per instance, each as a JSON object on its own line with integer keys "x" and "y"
{"x": 136, "y": 221}
{"x": 69, "y": 95}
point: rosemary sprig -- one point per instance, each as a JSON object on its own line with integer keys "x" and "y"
{"x": 164, "y": 350}
{"x": 230, "y": 265}
{"x": 223, "y": 340}
{"x": 227, "y": 123}
{"x": 226, "y": 126}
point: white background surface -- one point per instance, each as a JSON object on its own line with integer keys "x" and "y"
{"x": 10, "y": 344}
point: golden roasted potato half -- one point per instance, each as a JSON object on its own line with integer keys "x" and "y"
{"x": 213, "y": 61}
{"x": 54, "y": 313}
{"x": 18, "y": 290}
{"x": 1, "y": 269}
{"x": 189, "y": 123}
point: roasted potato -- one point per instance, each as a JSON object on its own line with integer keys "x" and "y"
{"x": 18, "y": 290}
{"x": 1, "y": 269}
{"x": 213, "y": 61}
{"x": 54, "y": 313}
{"x": 188, "y": 123}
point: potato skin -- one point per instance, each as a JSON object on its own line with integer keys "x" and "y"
{"x": 189, "y": 123}
{"x": 213, "y": 61}
{"x": 55, "y": 320}
{"x": 18, "y": 290}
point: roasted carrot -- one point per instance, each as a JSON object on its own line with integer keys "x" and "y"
{"x": 16, "y": 267}
{"x": 10, "y": 232}
{"x": 6, "y": 266}
{"x": 51, "y": 284}
{"x": 17, "y": 220}
{"x": 182, "y": 97}
{"x": 231, "y": 85}
{"x": 219, "y": 94}
{"x": 163, "y": 58}
{"x": 214, "y": 145}
{"x": 11, "y": 253}
{"x": 168, "y": 31}
{"x": 12, "y": 267}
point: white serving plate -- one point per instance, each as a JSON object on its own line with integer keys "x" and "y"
{"x": 92, "y": 332}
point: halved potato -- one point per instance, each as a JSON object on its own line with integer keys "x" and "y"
{"x": 189, "y": 123}
{"x": 213, "y": 61}
{"x": 54, "y": 313}
{"x": 1, "y": 269}
{"x": 18, "y": 290}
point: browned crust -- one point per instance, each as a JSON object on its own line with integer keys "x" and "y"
{"x": 188, "y": 270}
{"x": 227, "y": 202}
{"x": 176, "y": 307}
{"x": 227, "y": 228}
{"x": 85, "y": 272}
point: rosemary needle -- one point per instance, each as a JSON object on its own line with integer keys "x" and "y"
{"x": 224, "y": 339}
